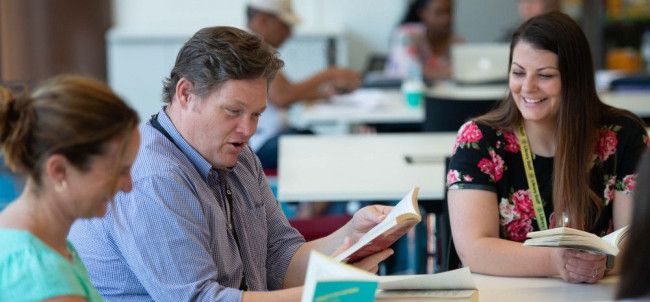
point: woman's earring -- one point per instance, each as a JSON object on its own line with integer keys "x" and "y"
{"x": 61, "y": 187}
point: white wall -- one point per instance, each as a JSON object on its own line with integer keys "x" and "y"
{"x": 367, "y": 23}
{"x": 485, "y": 20}
{"x": 148, "y": 33}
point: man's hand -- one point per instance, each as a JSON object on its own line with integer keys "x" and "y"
{"x": 365, "y": 219}
{"x": 370, "y": 263}
{"x": 339, "y": 80}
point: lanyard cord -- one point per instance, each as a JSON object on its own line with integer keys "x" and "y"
{"x": 228, "y": 206}
{"x": 527, "y": 157}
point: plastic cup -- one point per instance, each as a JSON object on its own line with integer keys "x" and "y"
{"x": 413, "y": 93}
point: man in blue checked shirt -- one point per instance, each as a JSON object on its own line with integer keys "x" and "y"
{"x": 201, "y": 223}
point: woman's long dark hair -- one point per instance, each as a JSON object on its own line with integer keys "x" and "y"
{"x": 413, "y": 11}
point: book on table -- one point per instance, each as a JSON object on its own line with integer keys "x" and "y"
{"x": 400, "y": 220}
{"x": 576, "y": 239}
{"x": 327, "y": 279}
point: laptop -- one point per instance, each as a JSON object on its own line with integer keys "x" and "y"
{"x": 480, "y": 63}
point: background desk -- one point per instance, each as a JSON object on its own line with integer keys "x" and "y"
{"x": 361, "y": 167}
{"x": 504, "y": 289}
{"x": 341, "y": 117}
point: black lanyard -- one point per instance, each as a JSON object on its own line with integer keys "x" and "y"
{"x": 228, "y": 207}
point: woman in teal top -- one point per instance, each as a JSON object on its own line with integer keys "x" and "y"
{"x": 75, "y": 141}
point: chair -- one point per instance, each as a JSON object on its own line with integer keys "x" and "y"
{"x": 318, "y": 227}
{"x": 448, "y": 258}
{"x": 10, "y": 185}
{"x": 447, "y": 114}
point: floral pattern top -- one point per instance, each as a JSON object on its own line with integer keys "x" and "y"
{"x": 408, "y": 45}
{"x": 486, "y": 158}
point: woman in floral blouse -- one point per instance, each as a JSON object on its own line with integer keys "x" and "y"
{"x": 583, "y": 156}
{"x": 423, "y": 41}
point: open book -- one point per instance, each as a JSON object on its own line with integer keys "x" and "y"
{"x": 576, "y": 239}
{"x": 400, "y": 220}
{"x": 330, "y": 280}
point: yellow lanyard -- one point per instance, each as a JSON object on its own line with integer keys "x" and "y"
{"x": 527, "y": 157}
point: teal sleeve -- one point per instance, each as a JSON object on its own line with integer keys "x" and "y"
{"x": 33, "y": 275}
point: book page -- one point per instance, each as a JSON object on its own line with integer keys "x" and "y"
{"x": 616, "y": 237}
{"x": 455, "y": 279}
{"x": 560, "y": 231}
{"x": 427, "y": 295}
{"x": 404, "y": 211}
{"x": 571, "y": 238}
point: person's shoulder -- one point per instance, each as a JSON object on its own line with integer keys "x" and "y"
{"x": 29, "y": 263}
{"x": 158, "y": 156}
{"x": 480, "y": 136}
{"x": 14, "y": 242}
{"x": 478, "y": 128}
{"x": 622, "y": 123}
{"x": 23, "y": 246}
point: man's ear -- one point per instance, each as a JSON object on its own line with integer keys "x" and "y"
{"x": 183, "y": 92}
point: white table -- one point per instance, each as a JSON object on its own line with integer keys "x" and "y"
{"x": 505, "y": 289}
{"x": 362, "y": 167}
{"x": 387, "y": 107}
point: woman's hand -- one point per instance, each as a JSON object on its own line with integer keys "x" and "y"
{"x": 576, "y": 266}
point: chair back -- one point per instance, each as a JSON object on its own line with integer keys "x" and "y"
{"x": 445, "y": 114}
{"x": 318, "y": 227}
{"x": 449, "y": 259}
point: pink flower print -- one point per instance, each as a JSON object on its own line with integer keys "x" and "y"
{"x": 493, "y": 166}
{"x": 498, "y": 165}
{"x": 468, "y": 135}
{"x": 606, "y": 145}
{"x": 453, "y": 176}
{"x": 486, "y": 167}
{"x": 468, "y": 178}
{"x": 523, "y": 204}
{"x": 629, "y": 182}
{"x": 518, "y": 228}
{"x": 512, "y": 145}
{"x": 610, "y": 190}
{"x": 412, "y": 52}
{"x": 506, "y": 211}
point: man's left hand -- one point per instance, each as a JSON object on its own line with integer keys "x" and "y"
{"x": 365, "y": 219}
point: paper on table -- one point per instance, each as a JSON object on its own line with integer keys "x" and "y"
{"x": 455, "y": 279}
{"x": 361, "y": 98}
{"x": 470, "y": 295}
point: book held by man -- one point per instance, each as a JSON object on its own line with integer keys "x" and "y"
{"x": 400, "y": 220}
{"x": 577, "y": 239}
{"x": 330, "y": 280}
